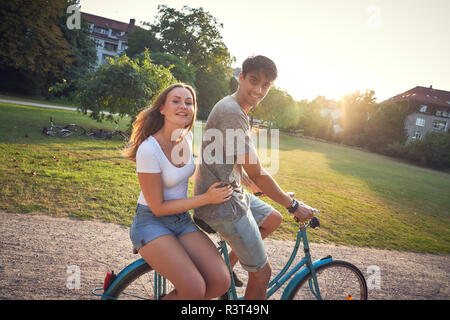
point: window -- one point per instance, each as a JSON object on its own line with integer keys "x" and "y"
{"x": 100, "y": 30}
{"x": 420, "y": 122}
{"x": 417, "y": 135}
{"x": 110, "y": 46}
{"x": 423, "y": 108}
{"x": 116, "y": 32}
{"x": 439, "y": 125}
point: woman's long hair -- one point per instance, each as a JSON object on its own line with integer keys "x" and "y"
{"x": 150, "y": 120}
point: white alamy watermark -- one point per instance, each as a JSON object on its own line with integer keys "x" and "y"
{"x": 373, "y": 17}
{"x": 229, "y": 147}
{"x": 73, "y": 281}
{"x": 374, "y": 278}
{"x": 74, "y": 20}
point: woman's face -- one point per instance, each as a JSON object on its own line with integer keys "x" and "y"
{"x": 178, "y": 109}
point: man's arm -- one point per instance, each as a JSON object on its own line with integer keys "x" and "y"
{"x": 257, "y": 175}
{"x": 270, "y": 187}
{"x": 246, "y": 181}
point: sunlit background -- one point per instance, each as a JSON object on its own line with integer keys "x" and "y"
{"x": 325, "y": 47}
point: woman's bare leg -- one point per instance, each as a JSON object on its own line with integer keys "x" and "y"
{"x": 167, "y": 256}
{"x": 209, "y": 263}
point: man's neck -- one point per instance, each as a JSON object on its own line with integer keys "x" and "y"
{"x": 245, "y": 107}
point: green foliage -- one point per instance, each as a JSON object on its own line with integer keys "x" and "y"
{"x": 140, "y": 39}
{"x": 122, "y": 86}
{"x": 31, "y": 36}
{"x": 433, "y": 150}
{"x": 386, "y": 126}
{"x": 357, "y": 109}
{"x": 182, "y": 71}
{"x": 278, "y": 108}
{"x": 193, "y": 35}
{"x": 314, "y": 120}
{"x": 37, "y": 47}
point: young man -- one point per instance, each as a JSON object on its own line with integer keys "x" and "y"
{"x": 244, "y": 220}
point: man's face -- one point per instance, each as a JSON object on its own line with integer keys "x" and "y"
{"x": 253, "y": 88}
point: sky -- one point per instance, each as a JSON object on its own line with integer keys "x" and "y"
{"x": 325, "y": 47}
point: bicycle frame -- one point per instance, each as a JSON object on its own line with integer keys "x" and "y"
{"x": 284, "y": 275}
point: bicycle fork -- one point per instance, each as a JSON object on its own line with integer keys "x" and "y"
{"x": 312, "y": 282}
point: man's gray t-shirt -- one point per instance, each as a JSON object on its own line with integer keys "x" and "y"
{"x": 227, "y": 134}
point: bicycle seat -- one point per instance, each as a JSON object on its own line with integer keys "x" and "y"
{"x": 204, "y": 226}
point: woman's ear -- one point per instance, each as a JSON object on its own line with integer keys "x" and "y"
{"x": 162, "y": 110}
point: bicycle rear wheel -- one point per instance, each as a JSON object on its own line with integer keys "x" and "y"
{"x": 60, "y": 133}
{"x": 76, "y": 129}
{"x": 121, "y": 134}
{"x": 338, "y": 280}
{"x": 138, "y": 283}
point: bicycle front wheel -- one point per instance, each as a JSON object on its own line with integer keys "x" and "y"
{"x": 76, "y": 129}
{"x": 139, "y": 283}
{"x": 337, "y": 280}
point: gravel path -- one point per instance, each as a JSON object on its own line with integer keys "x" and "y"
{"x": 37, "y": 251}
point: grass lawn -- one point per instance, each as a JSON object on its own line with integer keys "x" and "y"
{"x": 365, "y": 199}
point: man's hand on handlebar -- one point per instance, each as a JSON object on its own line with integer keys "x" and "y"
{"x": 304, "y": 212}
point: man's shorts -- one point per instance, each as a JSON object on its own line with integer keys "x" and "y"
{"x": 243, "y": 235}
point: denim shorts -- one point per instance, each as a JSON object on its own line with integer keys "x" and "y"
{"x": 243, "y": 235}
{"x": 147, "y": 227}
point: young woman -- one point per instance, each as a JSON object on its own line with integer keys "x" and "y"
{"x": 163, "y": 231}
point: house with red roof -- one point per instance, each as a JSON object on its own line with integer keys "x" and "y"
{"x": 110, "y": 35}
{"x": 432, "y": 111}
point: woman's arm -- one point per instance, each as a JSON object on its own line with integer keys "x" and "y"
{"x": 152, "y": 189}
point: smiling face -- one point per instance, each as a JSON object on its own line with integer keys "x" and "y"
{"x": 178, "y": 108}
{"x": 252, "y": 89}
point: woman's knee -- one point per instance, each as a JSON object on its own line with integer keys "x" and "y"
{"x": 219, "y": 285}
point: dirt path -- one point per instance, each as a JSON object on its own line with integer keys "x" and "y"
{"x": 36, "y": 251}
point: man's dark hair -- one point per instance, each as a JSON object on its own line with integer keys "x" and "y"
{"x": 260, "y": 63}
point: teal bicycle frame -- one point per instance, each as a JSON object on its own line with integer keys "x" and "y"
{"x": 284, "y": 276}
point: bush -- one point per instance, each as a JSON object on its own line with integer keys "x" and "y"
{"x": 433, "y": 150}
{"x": 122, "y": 86}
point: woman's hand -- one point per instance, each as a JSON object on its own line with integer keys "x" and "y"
{"x": 216, "y": 194}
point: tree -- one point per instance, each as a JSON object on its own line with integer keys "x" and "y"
{"x": 122, "y": 86}
{"x": 313, "y": 120}
{"x": 140, "y": 39}
{"x": 357, "y": 109}
{"x": 277, "y": 108}
{"x": 386, "y": 126}
{"x": 83, "y": 50}
{"x": 181, "y": 70}
{"x": 194, "y": 35}
{"x": 32, "y": 40}
{"x": 37, "y": 47}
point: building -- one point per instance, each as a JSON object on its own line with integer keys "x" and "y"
{"x": 110, "y": 35}
{"x": 432, "y": 111}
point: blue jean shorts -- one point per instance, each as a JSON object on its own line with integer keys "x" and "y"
{"x": 147, "y": 227}
{"x": 243, "y": 235}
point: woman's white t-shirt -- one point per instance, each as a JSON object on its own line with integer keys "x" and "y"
{"x": 151, "y": 159}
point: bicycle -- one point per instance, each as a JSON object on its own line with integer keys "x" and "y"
{"x": 322, "y": 279}
{"x": 63, "y": 132}
{"x": 103, "y": 135}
